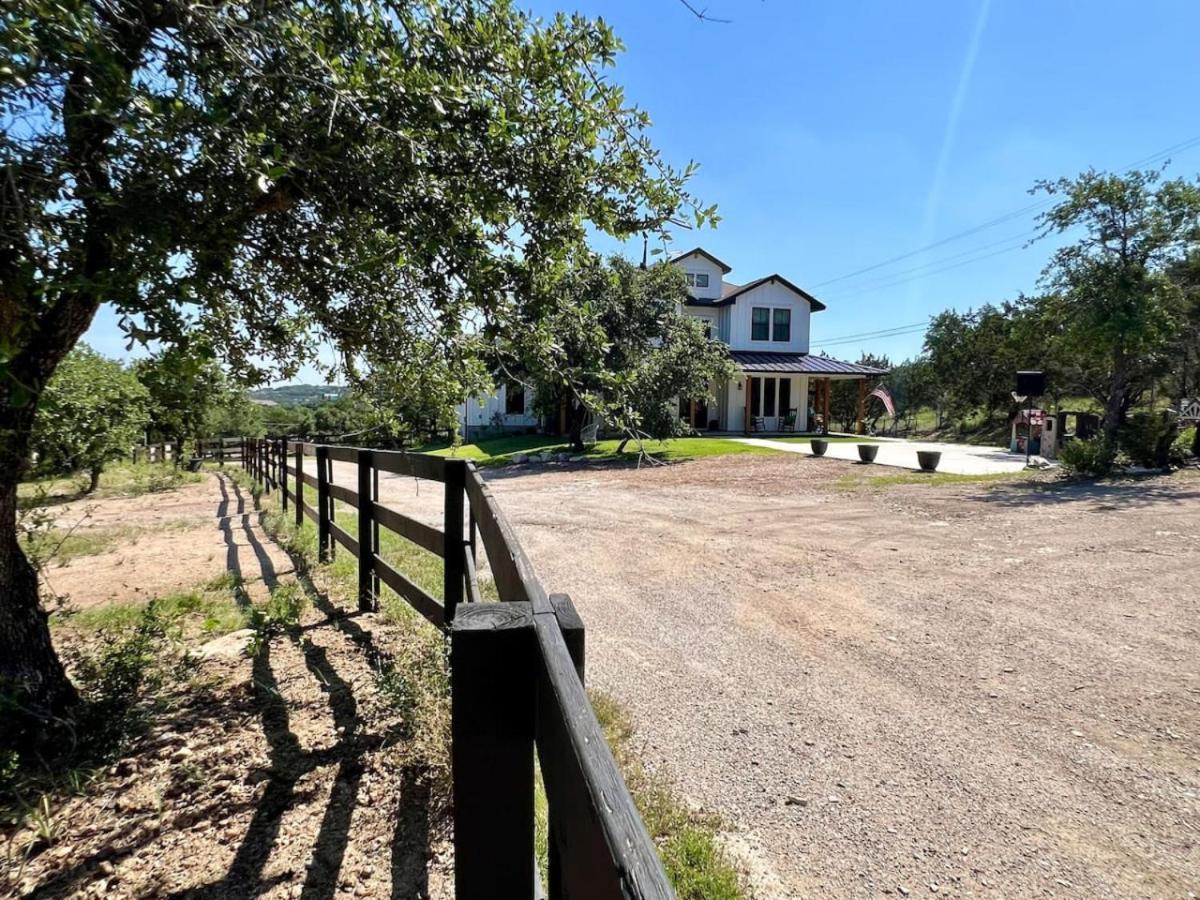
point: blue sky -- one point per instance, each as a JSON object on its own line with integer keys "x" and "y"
{"x": 835, "y": 136}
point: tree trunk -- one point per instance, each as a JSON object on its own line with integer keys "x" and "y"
{"x": 93, "y": 479}
{"x": 32, "y": 679}
{"x": 1114, "y": 409}
{"x": 576, "y": 416}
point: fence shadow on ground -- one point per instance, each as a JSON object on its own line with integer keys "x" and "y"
{"x": 319, "y": 859}
{"x": 1127, "y": 493}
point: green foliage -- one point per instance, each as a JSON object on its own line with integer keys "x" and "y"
{"x": 698, "y": 868}
{"x": 1147, "y": 438}
{"x": 280, "y": 614}
{"x": 1092, "y": 458}
{"x": 1115, "y": 310}
{"x": 618, "y": 344}
{"x": 843, "y": 405}
{"x": 92, "y": 411}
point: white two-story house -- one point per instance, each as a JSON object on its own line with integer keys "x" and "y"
{"x": 766, "y": 323}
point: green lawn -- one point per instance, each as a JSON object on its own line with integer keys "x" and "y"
{"x": 499, "y": 451}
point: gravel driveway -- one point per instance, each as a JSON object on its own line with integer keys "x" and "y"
{"x": 963, "y": 691}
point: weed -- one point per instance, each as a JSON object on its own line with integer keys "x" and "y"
{"x": 280, "y": 614}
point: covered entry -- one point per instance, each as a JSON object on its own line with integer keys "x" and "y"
{"x": 783, "y": 392}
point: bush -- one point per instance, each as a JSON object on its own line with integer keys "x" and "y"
{"x": 1093, "y": 458}
{"x": 1146, "y": 438}
{"x": 1185, "y": 445}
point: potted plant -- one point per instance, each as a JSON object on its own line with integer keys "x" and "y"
{"x": 867, "y": 452}
{"x": 929, "y": 459}
{"x": 819, "y": 446}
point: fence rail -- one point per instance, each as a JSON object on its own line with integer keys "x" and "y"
{"x": 516, "y": 673}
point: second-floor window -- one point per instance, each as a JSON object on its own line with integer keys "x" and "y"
{"x": 781, "y": 326}
{"x": 697, "y": 279}
{"x": 760, "y": 324}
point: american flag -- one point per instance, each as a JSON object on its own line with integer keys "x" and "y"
{"x": 882, "y": 393}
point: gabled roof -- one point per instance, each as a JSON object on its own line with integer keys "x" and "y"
{"x": 712, "y": 259}
{"x": 799, "y": 363}
{"x": 816, "y": 304}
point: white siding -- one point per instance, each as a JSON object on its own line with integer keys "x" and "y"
{"x": 698, "y": 265}
{"x": 771, "y": 295}
{"x": 479, "y": 412}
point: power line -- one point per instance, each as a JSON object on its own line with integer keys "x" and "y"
{"x": 882, "y": 331}
{"x": 1006, "y": 217}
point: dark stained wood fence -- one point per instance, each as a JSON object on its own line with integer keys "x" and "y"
{"x": 516, "y": 668}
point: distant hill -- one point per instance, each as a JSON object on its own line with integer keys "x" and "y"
{"x": 299, "y": 394}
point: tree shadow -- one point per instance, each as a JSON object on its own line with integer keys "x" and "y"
{"x": 1131, "y": 492}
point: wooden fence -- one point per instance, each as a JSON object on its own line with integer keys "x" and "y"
{"x": 516, "y": 670}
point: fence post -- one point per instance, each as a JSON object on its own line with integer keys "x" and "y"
{"x": 571, "y": 625}
{"x": 324, "y": 535}
{"x": 221, "y": 453}
{"x": 265, "y": 462}
{"x": 455, "y": 564}
{"x": 283, "y": 463}
{"x": 299, "y": 484}
{"x": 492, "y": 749}
{"x": 368, "y": 588}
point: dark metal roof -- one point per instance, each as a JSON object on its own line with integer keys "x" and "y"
{"x": 799, "y": 363}
{"x": 712, "y": 259}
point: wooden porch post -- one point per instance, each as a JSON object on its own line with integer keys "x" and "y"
{"x": 862, "y": 405}
{"x": 746, "y": 419}
{"x": 692, "y": 413}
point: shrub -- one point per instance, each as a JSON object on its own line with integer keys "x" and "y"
{"x": 1093, "y": 458}
{"x": 1146, "y": 438}
{"x": 1185, "y": 445}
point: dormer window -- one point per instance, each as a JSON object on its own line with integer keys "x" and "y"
{"x": 697, "y": 279}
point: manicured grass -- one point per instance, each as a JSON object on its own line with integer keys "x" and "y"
{"x": 499, "y": 451}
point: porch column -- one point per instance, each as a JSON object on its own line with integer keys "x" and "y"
{"x": 692, "y": 413}
{"x": 825, "y": 399}
{"x": 746, "y": 423}
{"x": 862, "y": 405}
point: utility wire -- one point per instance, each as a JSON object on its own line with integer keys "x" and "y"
{"x": 999, "y": 220}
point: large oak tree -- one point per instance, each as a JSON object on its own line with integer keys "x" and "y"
{"x": 385, "y": 176}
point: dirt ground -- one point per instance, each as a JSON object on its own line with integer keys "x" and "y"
{"x": 970, "y": 690}
{"x": 285, "y": 775}
{"x": 171, "y": 544}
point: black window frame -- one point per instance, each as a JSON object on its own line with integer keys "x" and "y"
{"x": 700, "y": 283}
{"x": 787, "y": 324}
{"x": 769, "y": 397}
{"x": 765, "y": 323}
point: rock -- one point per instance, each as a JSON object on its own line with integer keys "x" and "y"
{"x": 228, "y": 646}
{"x": 520, "y": 458}
{"x": 796, "y": 801}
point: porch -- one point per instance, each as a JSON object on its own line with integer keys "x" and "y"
{"x": 778, "y": 393}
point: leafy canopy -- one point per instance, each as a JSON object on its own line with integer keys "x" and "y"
{"x": 619, "y": 344}
{"x": 376, "y": 175}
{"x": 93, "y": 410}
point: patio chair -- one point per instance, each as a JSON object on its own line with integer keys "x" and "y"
{"x": 760, "y": 424}
{"x": 788, "y": 422}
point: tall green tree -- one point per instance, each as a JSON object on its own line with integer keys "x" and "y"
{"x": 1115, "y": 307}
{"x": 273, "y": 175}
{"x": 619, "y": 347}
{"x": 92, "y": 411}
{"x": 184, "y": 387}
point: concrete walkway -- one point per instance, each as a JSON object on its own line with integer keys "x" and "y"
{"x": 957, "y": 459}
